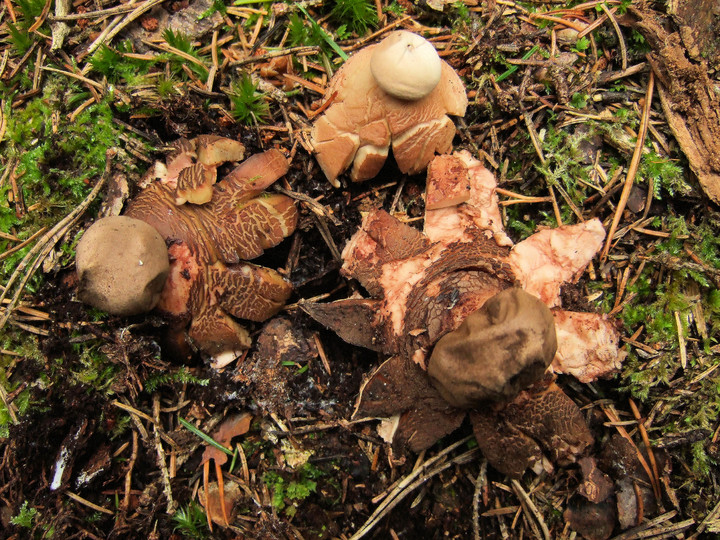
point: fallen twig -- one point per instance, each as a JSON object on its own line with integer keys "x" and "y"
{"x": 480, "y": 484}
{"x": 633, "y": 168}
{"x": 419, "y": 476}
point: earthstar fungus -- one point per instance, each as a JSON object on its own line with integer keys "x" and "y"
{"x": 496, "y": 352}
{"x": 461, "y": 269}
{"x": 406, "y": 66}
{"x": 396, "y": 93}
{"x": 209, "y": 284}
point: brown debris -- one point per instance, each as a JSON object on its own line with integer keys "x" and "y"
{"x": 597, "y": 486}
{"x": 633, "y": 486}
{"x": 591, "y": 521}
{"x": 220, "y": 504}
{"x": 280, "y": 342}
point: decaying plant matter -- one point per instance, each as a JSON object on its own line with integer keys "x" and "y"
{"x": 210, "y": 230}
{"x": 399, "y": 93}
{"x": 423, "y": 286}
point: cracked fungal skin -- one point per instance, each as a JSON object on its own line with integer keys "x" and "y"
{"x": 542, "y": 421}
{"x": 210, "y": 284}
{"x": 363, "y": 121}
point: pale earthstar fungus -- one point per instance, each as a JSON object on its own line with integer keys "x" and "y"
{"x": 396, "y": 93}
{"x": 208, "y": 231}
{"x": 425, "y": 285}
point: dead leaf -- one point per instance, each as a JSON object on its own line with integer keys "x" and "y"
{"x": 213, "y": 508}
{"x": 596, "y": 486}
{"x": 233, "y": 426}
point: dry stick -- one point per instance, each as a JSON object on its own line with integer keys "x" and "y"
{"x": 137, "y": 12}
{"x": 633, "y": 168}
{"x": 119, "y": 10}
{"x": 3, "y": 63}
{"x": 128, "y": 475}
{"x": 536, "y": 144}
{"x": 302, "y": 49}
{"x": 480, "y": 484}
{"x": 165, "y": 475}
{"x": 527, "y": 502}
{"x": 21, "y": 245}
{"x": 41, "y": 19}
{"x": 22, "y": 61}
{"x": 72, "y": 75}
{"x": 646, "y": 526}
{"x": 360, "y": 43}
{"x": 322, "y": 226}
{"x": 610, "y": 413}
{"x": 643, "y": 433}
{"x": 48, "y": 241}
{"x": 424, "y": 477}
{"x": 212, "y": 72}
{"x": 139, "y": 414}
{"x": 372, "y": 520}
{"x": 712, "y": 516}
{"x": 87, "y": 503}
{"x": 9, "y": 405}
{"x": 177, "y": 52}
{"x": 316, "y": 207}
{"x": 668, "y": 531}
{"x": 3, "y": 119}
{"x": 616, "y": 26}
{"x": 60, "y": 30}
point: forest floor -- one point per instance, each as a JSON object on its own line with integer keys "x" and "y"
{"x": 104, "y": 429}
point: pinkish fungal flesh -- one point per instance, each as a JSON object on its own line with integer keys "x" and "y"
{"x": 425, "y": 285}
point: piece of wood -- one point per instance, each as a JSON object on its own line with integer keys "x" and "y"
{"x": 689, "y": 101}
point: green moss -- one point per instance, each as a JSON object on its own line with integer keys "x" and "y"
{"x": 248, "y": 105}
{"x": 191, "y": 522}
{"x": 181, "y": 42}
{"x": 294, "y": 489}
{"x": 181, "y": 376}
{"x": 118, "y": 68}
{"x": 672, "y": 289}
{"x": 57, "y": 159}
{"x": 25, "y": 517}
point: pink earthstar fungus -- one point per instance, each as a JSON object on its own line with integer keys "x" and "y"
{"x": 396, "y": 93}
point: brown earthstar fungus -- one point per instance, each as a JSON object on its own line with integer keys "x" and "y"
{"x": 208, "y": 240}
{"x": 425, "y": 285}
{"x": 396, "y": 93}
